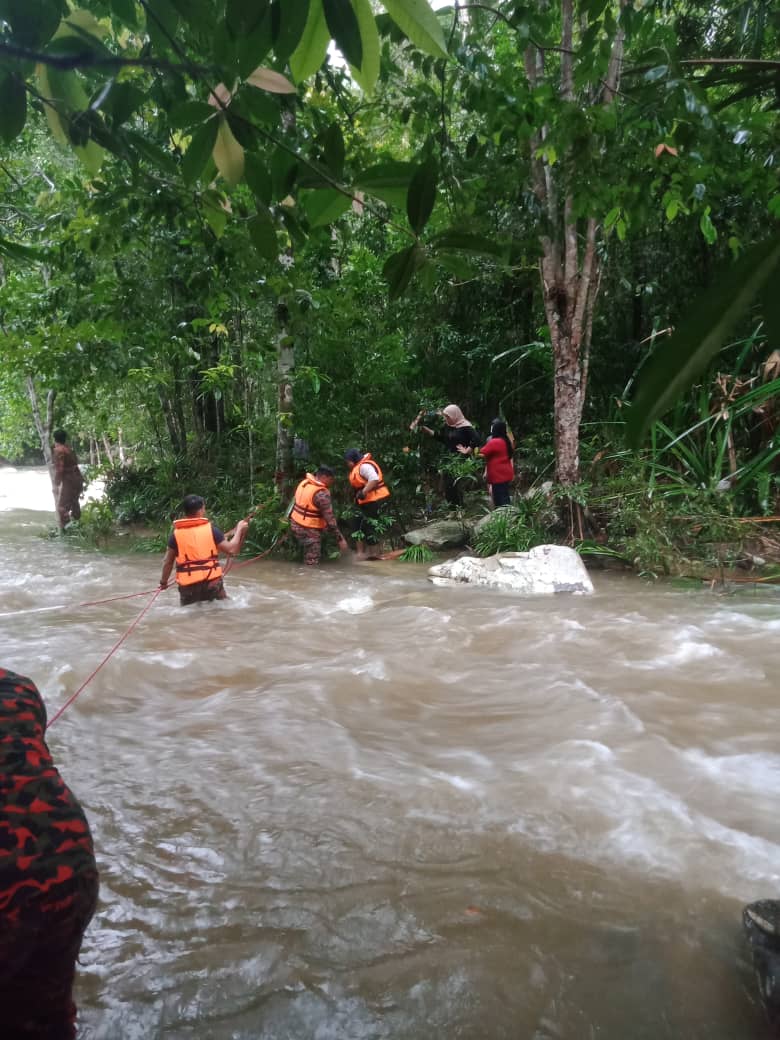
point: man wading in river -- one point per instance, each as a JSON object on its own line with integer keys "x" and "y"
{"x": 68, "y": 481}
{"x": 312, "y": 515}
{"x": 194, "y": 546}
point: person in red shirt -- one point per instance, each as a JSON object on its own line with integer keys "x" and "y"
{"x": 48, "y": 875}
{"x": 497, "y": 454}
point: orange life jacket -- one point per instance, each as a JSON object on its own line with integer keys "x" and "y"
{"x": 304, "y": 510}
{"x": 378, "y": 492}
{"x": 197, "y": 559}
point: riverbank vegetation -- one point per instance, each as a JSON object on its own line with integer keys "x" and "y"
{"x": 238, "y": 239}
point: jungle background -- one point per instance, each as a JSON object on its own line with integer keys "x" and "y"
{"x": 239, "y": 238}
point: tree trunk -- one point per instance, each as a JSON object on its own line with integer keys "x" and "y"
{"x": 567, "y": 395}
{"x": 285, "y": 353}
{"x": 107, "y": 447}
{"x": 44, "y": 428}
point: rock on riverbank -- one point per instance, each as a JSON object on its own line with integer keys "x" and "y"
{"x": 543, "y": 569}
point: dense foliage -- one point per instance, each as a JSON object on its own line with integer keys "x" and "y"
{"x": 239, "y": 238}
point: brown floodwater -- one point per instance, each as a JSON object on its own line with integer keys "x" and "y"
{"x": 349, "y": 804}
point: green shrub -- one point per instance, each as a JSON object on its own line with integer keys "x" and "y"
{"x": 514, "y": 528}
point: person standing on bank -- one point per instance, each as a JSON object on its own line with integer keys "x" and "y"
{"x": 312, "y": 514}
{"x": 366, "y": 478}
{"x": 194, "y": 547}
{"x": 497, "y": 454}
{"x": 458, "y": 432}
{"x": 68, "y": 481}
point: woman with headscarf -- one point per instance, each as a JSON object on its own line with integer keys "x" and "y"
{"x": 457, "y": 433}
{"x": 497, "y": 453}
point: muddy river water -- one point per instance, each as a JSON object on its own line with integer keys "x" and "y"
{"x": 348, "y": 804}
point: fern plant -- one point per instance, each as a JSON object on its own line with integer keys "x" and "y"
{"x": 416, "y": 554}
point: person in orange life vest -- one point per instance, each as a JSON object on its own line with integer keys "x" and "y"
{"x": 371, "y": 493}
{"x": 48, "y": 874}
{"x": 312, "y": 514}
{"x": 193, "y": 547}
{"x": 499, "y": 468}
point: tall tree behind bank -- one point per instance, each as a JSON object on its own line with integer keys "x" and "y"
{"x": 569, "y": 266}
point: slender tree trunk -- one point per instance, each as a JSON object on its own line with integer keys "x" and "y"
{"x": 107, "y": 447}
{"x": 285, "y": 353}
{"x": 44, "y": 427}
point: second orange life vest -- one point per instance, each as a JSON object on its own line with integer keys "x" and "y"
{"x": 378, "y": 492}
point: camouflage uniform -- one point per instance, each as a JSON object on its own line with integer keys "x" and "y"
{"x": 48, "y": 875}
{"x": 311, "y": 537}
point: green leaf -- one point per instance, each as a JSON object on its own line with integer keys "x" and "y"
{"x": 325, "y": 206}
{"x": 333, "y": 149}
{"x": 214, "y": 212}
{"x": 122, "y": 101}
{"x": 310, "y": 53}
{"x": 161, "y": 21}
{"x": 389, "y": 181}
{"x": 262, "y": 232}
{"x": 421, "y": 196}
{"x": 456, "y": 241}
{"x": 252, "y": 48}
{"x": 33, "y": 22}
{"x": 152, "y": 152}
{"x": 401, "y": 267}
{"x": 190, "y": 113}
{"x": 292, "y": 22}
{"x": 420, "y": 24}
{"x": 284, "y": 170}
{"x": 200, "y": 149}
{"x": 13, "y": 106}
{"x": 674, "y": 365}
{"x": 368, "y": 72}
{"x": 243, "y": 16}
{"x": 125, "y": 11}
{"x": 611, "y": 218}
{"x": 457, "y": 265}
{"x": 258, "y": 178}
{"x": 344, "y": 28}
{"x": 707, "y": 227}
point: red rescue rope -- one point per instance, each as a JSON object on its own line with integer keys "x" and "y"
{"x": 110, "y": 653}
{"x": 231, "y": 566}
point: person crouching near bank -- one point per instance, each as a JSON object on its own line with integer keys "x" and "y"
{"x": 371, "y": 493}
{"x": 312, "y": 515}
{"x": 194, "y": 548}
{"x": 48, "y": 875}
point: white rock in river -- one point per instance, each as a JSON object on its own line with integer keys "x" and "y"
{"x": 545, "y": 568}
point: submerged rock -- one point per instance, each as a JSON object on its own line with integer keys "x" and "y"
{"x": 441, "y": 534}
{"x": 543, "y": 569}
{"x": 761, "y": 921}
